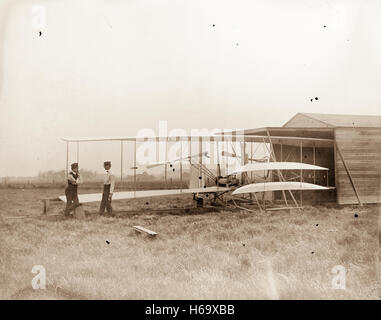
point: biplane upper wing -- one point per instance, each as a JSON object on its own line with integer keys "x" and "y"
{"x": 96, "y": 197}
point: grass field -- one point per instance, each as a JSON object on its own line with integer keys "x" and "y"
{"x": 213, "y": 255}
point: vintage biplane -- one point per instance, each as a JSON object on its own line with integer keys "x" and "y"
{"x": 216, "y": 178}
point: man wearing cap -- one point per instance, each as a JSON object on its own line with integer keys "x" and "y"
{"x": 71, "y": 191}
{"x": 108, "y": 189}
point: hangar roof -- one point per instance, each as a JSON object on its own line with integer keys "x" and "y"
{"x": 318, "y": 128}
{"x": 333, "y": 120}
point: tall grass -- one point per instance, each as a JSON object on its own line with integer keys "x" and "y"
{"x": 219, "y": 255}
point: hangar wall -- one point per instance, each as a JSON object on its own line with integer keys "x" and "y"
{"x": 358, "y": 139}
{"x": 361, "y": 150}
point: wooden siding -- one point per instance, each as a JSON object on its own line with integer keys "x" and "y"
{"x": 361, "y": 149}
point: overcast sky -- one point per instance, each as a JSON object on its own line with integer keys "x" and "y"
{"x": 111, "y": 68}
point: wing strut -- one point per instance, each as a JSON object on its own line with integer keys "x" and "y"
{"x": 279, "y": 172}
{"x": 181, "y": 167}
{"x": 121, "y": 161}
{"x": 67, "y": 159}
{"x": 135, "y": 165}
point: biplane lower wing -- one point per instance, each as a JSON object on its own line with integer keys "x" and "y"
{"x": 96, "y": 197}
{"x": 264, "y": 166}
{"x": 278, "y": 186}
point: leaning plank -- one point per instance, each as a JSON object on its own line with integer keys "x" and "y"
{"x": 349, "y": 175}
{"x": 142, "y": 229}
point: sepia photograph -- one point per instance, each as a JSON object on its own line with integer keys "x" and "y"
{"x": 188, "y": 150}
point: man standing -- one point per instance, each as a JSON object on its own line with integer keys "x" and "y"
{"x": 108, "y": 189}
{"x": 71, "y": 191}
